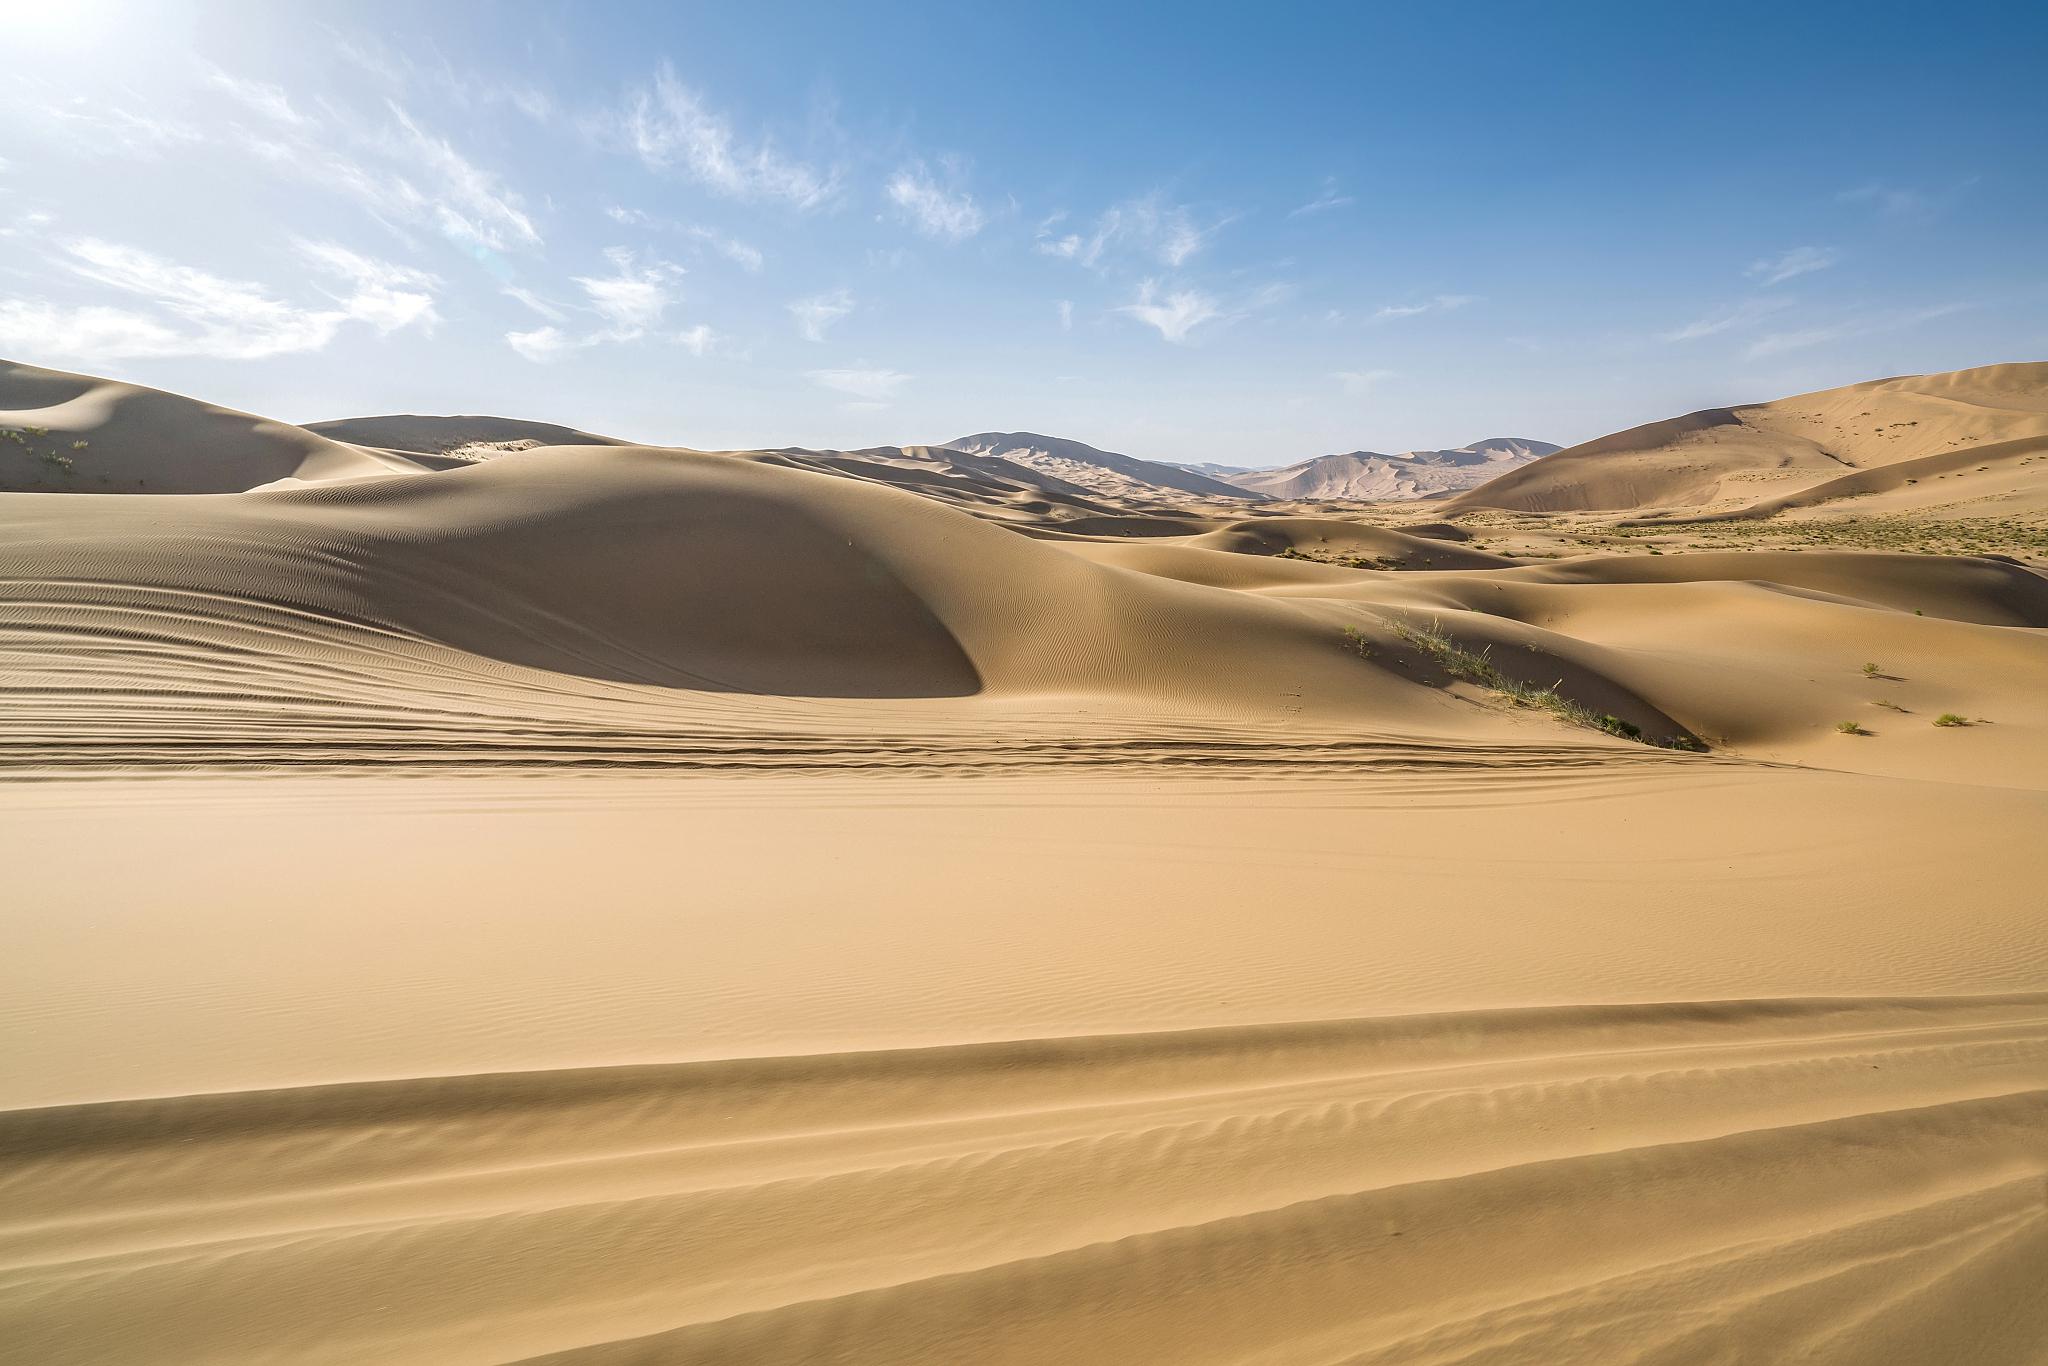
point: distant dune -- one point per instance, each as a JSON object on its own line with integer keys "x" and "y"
{"x": 454, "y": 435}
{"x": 1368, "y": 476}
{"x": 64, "y": 433}
{"x": 1103, "y": 471}
{"x": 1905, "y": 445}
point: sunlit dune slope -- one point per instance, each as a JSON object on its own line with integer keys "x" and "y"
{"x": 1891, "y": 437}
{"x": 64, "y": 433}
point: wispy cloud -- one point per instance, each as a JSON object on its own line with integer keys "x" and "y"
{"x": 542, "y": 344}
{"x": 1892, "y": 200}
{"x": 533, "y": 301}
{"x": 1894, "y": 320}
{"x": 816, "y": 314}
{"x": 1775, "y": 270}
{"x": 875, "y": 387}
{"x": 1441, "y": 303}
{"x": 471, "y": 205}
{"x": 191, "y": 312}
{"x": 669, "y": 126}
{"x": 1745, "y": 314}
{"x": 941, "y": 211}
{"x": 1175, "y": 315}
{"x": 1065, "y": 308}
{"x": 1169, "y": 233}
{"x": 746, "y": 257}
{"x": 260, "y": 97}
{"x": 382, "y": 166}
{"x": 384, "y": 295}
{"x": 631, "y": 304}
{"x": 633, "y": 297}
{"x": 1361, "y": 381}
{"x": 1326, "y": 200}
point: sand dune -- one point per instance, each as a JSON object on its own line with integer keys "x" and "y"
{"x": 602, "y": 903}
{"x": 1861, "y": 440}
{"x": 62, "y": 433}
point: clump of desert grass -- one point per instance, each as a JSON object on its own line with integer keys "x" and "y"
{"x": 1477, "y": 667}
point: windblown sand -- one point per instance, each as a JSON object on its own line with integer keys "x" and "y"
{"x": 607, "y": 904}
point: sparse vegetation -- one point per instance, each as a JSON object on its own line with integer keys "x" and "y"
{"x": 1850, "y": 728}
{"x": 1479, "y": 668}
{"x": 1870, "y": 670}
{"x": 54, "y": 458}
{"x": 1949, "y": 718}
{"x": 1888, "y": 704}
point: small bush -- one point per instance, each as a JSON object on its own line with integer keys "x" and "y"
{"x": 1461, "y": 663}
{"x": 1850, "y": 728}
{"x": 1686, "y": 744}
{"x": 1870, "y": 670}
{"x": 1949, "y": 718}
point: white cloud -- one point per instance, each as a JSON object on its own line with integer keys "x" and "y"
{"x": 1744, "y": 314}
{"x": 632, "y": 301}
{"x": 746, "y": 257}
{"x": 98, "y": 129}
{"x": 536, "y": 303}
{"x": 1775, "y": 270}
{"x": 1361, "y": 381}
{"x": 1328, "y": 199}
{"x": 875, "y": 386}
{"x": 1066, "y": 311}
{"x": 542, "y": 344}
{"x": 934, "y": 209}
{"x": 632, "y": 298}
{"x": 470, "y": 206}
{"x": 1148, "y": 225}
{"x": 1176, "y": 314}
{"x": 46, "y": 331}
{"x": 381, "y": 168}
{"x": 260, "y": 97}
{"x": 1442, "y": 303}
{"x": 817, "y": 313}
{"x": 386, "y": 296}
{"x": 668, "y": 126}
{"x": 196, "y": 313}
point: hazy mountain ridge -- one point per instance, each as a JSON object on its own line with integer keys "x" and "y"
{"x": 1372, "y": 476}
{"x": 1098, "y": 470}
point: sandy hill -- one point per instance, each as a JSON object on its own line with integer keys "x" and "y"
{"x": 458, "y": 437}
{"x": 1104, "y": 472}
{"x": 606, "y": 904}
{"x": 1909, "y": 444}
{"x": 1368, "y": 476}
{"x": 936, "y": 573}
{"x": 65, "y": 433}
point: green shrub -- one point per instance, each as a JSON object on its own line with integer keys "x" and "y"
{"x": 1949, "y": 718}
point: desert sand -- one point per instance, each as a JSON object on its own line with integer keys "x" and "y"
{"x": 482, "y": 891}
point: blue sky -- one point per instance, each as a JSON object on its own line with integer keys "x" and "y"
{"x": 1203, "y": 232}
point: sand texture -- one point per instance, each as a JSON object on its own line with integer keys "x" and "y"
{"x": 479, "y": 891}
